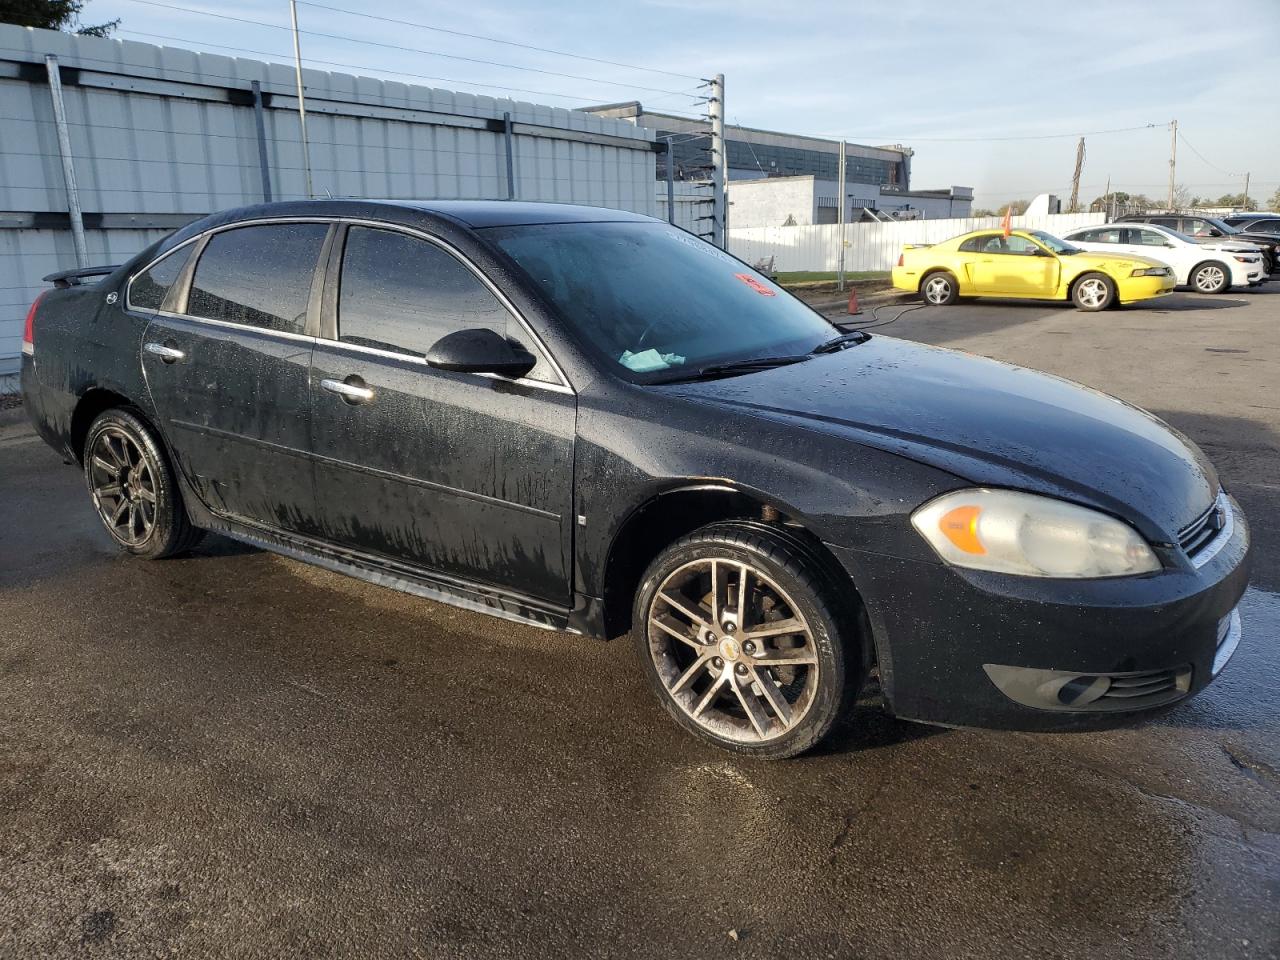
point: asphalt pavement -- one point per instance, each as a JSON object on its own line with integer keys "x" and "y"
{"x": 233, "y": 754}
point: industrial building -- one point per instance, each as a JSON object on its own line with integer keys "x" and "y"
{"x": 783, "y": 179}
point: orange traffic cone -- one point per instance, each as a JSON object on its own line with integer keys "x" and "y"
{"x": 853, "y": 302}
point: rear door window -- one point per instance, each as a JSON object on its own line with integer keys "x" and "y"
{"x": 1150, "y": 238}
{"x": 401, "y": 293}
{"x": 258, "y": 276}
{"x": 150, "y": 288}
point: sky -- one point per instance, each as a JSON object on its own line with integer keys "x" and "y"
{"x": 967, "y": 83}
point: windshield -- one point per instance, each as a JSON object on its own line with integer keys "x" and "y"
{"x": 657, "y": 303}
{"x": 1060, "y": 247}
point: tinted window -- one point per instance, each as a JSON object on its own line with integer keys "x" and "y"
{"x": 1150, "y": 238}
{"x": 656, "y": 302}
{"x": 1013, "y": 244}
{"x": 1170, "y": 222}
{"x": 258, "y": 276}
{"x": 975, "y": 244}
{"x": 148, "y": 290}
{"x": 402, "y": 293}
{"x": 1265, "y": 226}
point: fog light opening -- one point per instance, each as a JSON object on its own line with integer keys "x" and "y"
{"x": 1079, "y": 691}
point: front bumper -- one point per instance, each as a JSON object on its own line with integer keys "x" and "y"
{"x": 1132, "y": 289}
{"x": 939, "y": 629}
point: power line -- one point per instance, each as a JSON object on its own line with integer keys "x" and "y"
{"x": 1187, "y": 143}
{"x": 394, "y": 46}
{"x": 1044, "y": 136}
{"x": 509, "y": 43}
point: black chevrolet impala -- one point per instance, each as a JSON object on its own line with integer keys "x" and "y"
{"x": 589, "y": 420}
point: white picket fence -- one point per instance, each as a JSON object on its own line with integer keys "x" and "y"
{"x": 873, "y": 246}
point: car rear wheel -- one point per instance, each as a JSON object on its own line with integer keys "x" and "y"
{"x": 745, "y": 641}
{"x": 1093, "y": 291}
{"x": 134, "y": 490}
{"x": 939, "y": 289}
{"x": 1210, "y": 277}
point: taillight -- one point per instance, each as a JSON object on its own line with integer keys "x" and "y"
{"x": 29, "y": 332}
{"x": 901, "y": 258}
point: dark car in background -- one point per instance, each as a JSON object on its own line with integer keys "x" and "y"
{"x": 1267, "y": 223}
{"x": 589, "y": 420}
{"x": 1200, "y": 227}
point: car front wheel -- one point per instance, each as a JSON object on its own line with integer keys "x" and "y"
{"x": 133, "y": 489}
{"x": 745, "y": 641}
{"x": 1093, "y": 291}
{"x": 1210, "y": 278}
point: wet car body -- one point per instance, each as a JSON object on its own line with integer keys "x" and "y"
{"x": 543, "y": 501}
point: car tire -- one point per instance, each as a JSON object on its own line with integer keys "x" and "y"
{"x": 1093, "y": 292}
{"x": 133, "y": 488}
{"x": 939, "y": 289}
{"x": 1211, "y": 277}
{"x": 713, "y": 674}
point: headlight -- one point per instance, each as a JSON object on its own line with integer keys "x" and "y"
{"x": 1150, "y": 272}
{"x": 1009, "y": 532}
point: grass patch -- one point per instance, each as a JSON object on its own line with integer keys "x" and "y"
{"x": 795, "y": 277}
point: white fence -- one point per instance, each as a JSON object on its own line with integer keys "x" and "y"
{"x": 873, "y": 246}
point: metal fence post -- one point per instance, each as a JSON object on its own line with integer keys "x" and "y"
{"x": 511, "y": 168}
{"x": 262, "y": 141}
{"x": 68, "y": 167}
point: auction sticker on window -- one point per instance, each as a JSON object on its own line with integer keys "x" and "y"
{"x": 755, "y": 285}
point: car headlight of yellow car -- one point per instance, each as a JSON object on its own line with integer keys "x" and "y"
{"x": 1006, "y": 531}
{"x": 1150, "y": 272}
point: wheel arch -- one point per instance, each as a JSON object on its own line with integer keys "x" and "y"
{"x": 676, "y": 511}
{"x": 1226, "y": 268}
{"x": 931, "y": 271}
{"x": 89, "y": 406}
{"x": 1071, "y": 285}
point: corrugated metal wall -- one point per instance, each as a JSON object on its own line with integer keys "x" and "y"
{"x": 693, "y": 203}
{"x": 873, "y": 246}
{"x": 161, "y": 135}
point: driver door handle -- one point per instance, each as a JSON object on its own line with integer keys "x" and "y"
{"x": 167, "y": 354}
{"x": 350, "y": 392}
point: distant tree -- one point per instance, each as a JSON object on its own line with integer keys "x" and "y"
{"x": 1019, "y": 207}
{"x": 982, "y": 213}
{"x": 1123, "y": 203}
{"x": 53, "y": 15}
{"x": 1182, "y": 198}
{"x": 1274, "y": 202}
{"x": 1237, "y": 200}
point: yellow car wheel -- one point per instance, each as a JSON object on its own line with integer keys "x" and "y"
{"x": 939, "y": 289}
{"x": 1093, "y": 292}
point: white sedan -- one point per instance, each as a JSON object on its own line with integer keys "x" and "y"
{"x": 1206, "y": 267}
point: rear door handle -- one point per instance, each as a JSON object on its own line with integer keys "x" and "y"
{"x": 351, "y": 390}
{"x": 167, "y": 354}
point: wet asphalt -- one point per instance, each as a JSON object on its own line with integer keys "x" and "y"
{"x": 233, "y": 754}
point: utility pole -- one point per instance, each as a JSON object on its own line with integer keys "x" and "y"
{"x": 1109, "y": 200}
{"x": 1245, "y": 204}
{"x": 1173, "y": 157}
{"x": 671, "y": 182}
{"x": 1075, "y": 180}
{"x": 841, "y": 221}
{"x": 715, "y": 109}
{"x": 302, "y": 103}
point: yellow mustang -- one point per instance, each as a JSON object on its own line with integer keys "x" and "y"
{"x": 1028, "y": 264}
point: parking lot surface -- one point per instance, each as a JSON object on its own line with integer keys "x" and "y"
{"x": 233, "y": 754}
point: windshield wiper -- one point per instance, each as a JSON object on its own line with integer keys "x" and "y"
{"x": 737, "y": 366}
{"x": 842, "y": 341}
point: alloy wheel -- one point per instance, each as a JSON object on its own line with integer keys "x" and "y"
{"x": 937, "y": 290}
{"x": 123, "y": 486}
{"x": 1092, "y": 292}
{"x": 1209, "y": 279}
{"x": 733, "y": 650}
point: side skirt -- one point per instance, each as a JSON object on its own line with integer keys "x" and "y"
{"x": 458, "y": 593}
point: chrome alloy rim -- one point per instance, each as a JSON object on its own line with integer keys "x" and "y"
{"x": 123, "y": 486}
{"x": 733, "y": 650}
{"x": 1093, "y": 292}
{"x": 937, "y": 289}
{"x": 1209, "y": 279}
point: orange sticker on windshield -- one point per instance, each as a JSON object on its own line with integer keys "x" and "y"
{"x": 755, "y": 285}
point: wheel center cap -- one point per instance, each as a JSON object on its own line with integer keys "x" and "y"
{"x": 729, "y": 648}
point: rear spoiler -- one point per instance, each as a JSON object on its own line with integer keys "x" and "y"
{"x": 72, "y": 278}
{"x": 916, "y": 246}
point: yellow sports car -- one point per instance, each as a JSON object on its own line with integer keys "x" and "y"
{"x": 1027, "y": 264}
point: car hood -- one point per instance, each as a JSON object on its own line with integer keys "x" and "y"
{"x": 1101, "y": 261}
{"x": 987, "y": 423}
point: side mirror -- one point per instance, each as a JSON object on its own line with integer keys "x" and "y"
{"x": 1169, "y": 245}
{"x": 480, "y": 351}
{"x": 1215, "y": 232}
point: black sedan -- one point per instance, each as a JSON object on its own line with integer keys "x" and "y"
{"x": 589, "y": 420}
